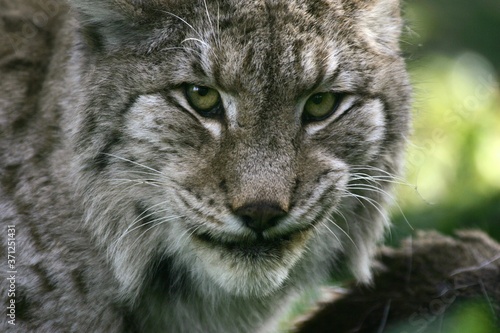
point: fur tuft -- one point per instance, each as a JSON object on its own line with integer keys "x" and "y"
{"x": 381, "y": 25}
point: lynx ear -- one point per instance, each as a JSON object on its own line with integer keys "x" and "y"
{"x": 381, "y": 24}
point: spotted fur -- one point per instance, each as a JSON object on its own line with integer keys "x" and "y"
{"x": 126, "y": 200}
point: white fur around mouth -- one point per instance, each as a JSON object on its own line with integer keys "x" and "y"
{"x": 245, "y": 267}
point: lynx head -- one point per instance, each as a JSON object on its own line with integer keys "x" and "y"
{"x": 242, "y": 146}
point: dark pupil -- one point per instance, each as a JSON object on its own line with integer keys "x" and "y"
{"x": 202, "y": 91}
{"x": 317, "y": 99}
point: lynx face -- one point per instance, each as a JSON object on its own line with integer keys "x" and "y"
{"x": 250, "y": 145}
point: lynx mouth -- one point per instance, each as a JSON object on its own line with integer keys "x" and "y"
{"x": 253, "y": 266}
{"x": 259, "y": 246}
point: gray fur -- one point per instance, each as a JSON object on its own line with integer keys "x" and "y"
{"x": 122, "y": 194}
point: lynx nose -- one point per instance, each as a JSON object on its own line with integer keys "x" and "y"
{"x": 260, "y": 216}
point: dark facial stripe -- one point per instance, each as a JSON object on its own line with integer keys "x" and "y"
{"x": 25, "y": 308}
{"x": 271, "y": 62}
{"x": 78, "y": 278}
{"x": 144, "y": 214}
{"x": 93, "y": 38}
{"x": 101, "y": 161}
{"x": 166, "y": 279}
{"x": 43, "y": 274}
{"x": 113, "y": 138}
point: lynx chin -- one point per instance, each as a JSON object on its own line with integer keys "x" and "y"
{"x": 187, "y": 166}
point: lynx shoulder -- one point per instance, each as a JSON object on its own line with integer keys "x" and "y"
{"x": 186, "y": 166}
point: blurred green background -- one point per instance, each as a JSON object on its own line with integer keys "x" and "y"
{"x": 453, "y": 162}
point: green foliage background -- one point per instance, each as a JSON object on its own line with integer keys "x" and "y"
{"x": 453, "y": 162}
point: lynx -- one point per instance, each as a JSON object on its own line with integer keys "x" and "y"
{"x": 190, "y": 166}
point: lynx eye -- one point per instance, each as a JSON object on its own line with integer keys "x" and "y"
{"x": 206, "y": 101}
{"x": 321, "y": 105}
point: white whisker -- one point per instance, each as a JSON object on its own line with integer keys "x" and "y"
{"x": 136, "y": 181}
{"x": 138, "y": 220}
{"x": 334, "y": 234}
{"x": 378, "y": 179}
{"x": 371, "y": 201}
{"x": 184, "y": 21}
{"x": 137, "y": 172}
{"x": 155, "y": 223}
{"x": 208, "y": 15}
{"x": 343, "y": 231}
{"x": 367, "y": 187}
{"x": 339, "y": 212}
{"x": 196, "y": 40}
{"x": 134, "y": 162}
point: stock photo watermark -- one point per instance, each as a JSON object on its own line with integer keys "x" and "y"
{"x": 11, "y": 274}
